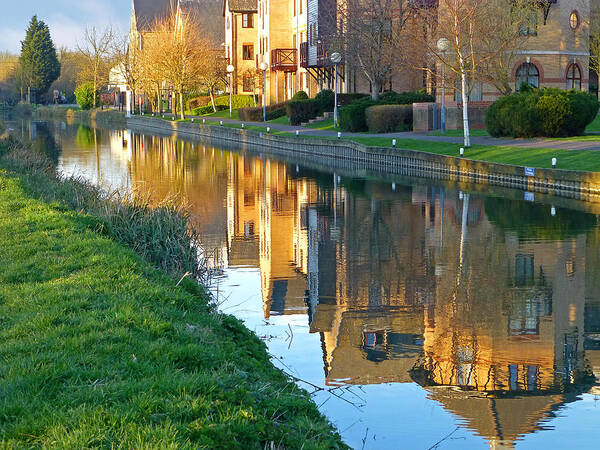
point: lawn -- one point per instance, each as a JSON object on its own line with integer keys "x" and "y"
{"x": 458, "y": 133}
{"x": 325, "y": 125}
{"x": 100, "y": 349}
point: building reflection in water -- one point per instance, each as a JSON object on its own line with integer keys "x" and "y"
{"x": 490, "y": 304}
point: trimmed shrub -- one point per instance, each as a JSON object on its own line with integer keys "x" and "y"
{"x": 208, "y": 109}
{"x": 255, "y": 114}
{"x": 237, "y": 101}
{"x": 197, "y": 102}
{"x": 300, "y": 95}
{"x": 325, "y": 101}
{"x": 346, "y": 99}
{"x": 389, "y": 118}
{"x": 353, "y": 116}
{"x": 547, "y": 112}
{"x": 85, "y": 96}
{"x": 300, "y": 111}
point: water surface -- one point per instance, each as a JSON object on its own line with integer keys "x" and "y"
{"x": 418, "y": 314}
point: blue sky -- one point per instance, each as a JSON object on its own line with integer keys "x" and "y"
{"x": 67, "y": 19}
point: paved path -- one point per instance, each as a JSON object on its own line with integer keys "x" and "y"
{"x": 475, "y": 140}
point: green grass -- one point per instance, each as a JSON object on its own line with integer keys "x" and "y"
{"x": 594, "y": 127}
{"x": 326, "y": 125}
{"x": 283, "y": 120}
{"x": 99, "y": 349}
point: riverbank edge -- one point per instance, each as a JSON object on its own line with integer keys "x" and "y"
{"x": 52, "y": 253}
{"x": 94, "y": 117}
{"x": 351, "y": 155}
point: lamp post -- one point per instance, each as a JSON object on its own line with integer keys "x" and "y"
{"x": 230, "y": 70}
{"x": 264, "y": 66}
{"x": 443, "y": 45}
{"x": 335, "y": 59}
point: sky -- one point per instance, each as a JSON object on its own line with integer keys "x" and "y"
{"x": 67, "y": 19}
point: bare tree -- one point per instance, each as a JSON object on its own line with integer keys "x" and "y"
{"x": 96, "y": 52}
{"x": 484, "y": 36}
{"x": 374, "y": 35}
{"x": 127, "y": 60}
{"x": 213, "y": 76}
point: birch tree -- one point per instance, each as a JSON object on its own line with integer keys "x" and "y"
{"x": 96, "y": 51}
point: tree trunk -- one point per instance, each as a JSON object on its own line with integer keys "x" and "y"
{"x": 181, "y": 105}
{"x": 465, "y": 100}
{"x": 159, "y": 104}
{"x": 375, "y": 90}
{"x": 212, "y": 100}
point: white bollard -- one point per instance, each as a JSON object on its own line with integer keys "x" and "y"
{"x": 203, "y": 120}
{"x": 192, "y": 119}
{"x": 297, "y": 132}
{"x": 394, "y": 143}
{"x": 553, "y": 211}
{"x": 242, "y": 126}
{"x": 268, "y": 130}
{"x": 554, "y": 163}
{"x": 339, "y": 134}
{"x": 462, "y": 151}
{"x": 220, "y": 122}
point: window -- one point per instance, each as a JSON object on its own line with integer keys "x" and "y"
{"x": 529, "y": 26}
{"x": 475, "y": 94}
{"x": 248, "y": 82}
{"x": 574, "y": 20}
{"x": 574, "y": 77}
{"x": 248, "y": 52}
{"x": 527, "y": 73}
{"x": 247, "y": 20}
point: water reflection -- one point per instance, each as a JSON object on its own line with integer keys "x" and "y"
{"x": 492, "y": 305}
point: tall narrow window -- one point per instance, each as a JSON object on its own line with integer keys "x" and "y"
{"x": 574, "y": 77}
{"x": 247, "y": 20}
{"x": 248, "y": 52}
{"x": 527, "y": 73}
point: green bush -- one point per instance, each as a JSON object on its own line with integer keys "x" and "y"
{"x": 324, "y": 100}
{"x": 255, "y": 114}
{"x": 84, "y": 95}
{"x": 197, "y": 102}
{"x": 353, "y": 116}
{"x": 237, "y": 101}
{"x": 300, "y": 111}
{"x": 208, "y": 109}
{"x": 346, "y": 99}
{"x": 547, "y": 112}
{"x": 300, "y": 95}
{"x": 389, "y": 118}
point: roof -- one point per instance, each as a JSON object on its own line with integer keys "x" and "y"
{"x": 208, "y": 13}
{"x": 148, "y": 11}
{"x": 243, "y": 6}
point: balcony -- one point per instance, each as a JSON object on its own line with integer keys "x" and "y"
{"x": 322, "y": 54}
{"x": 284, "y": 59}
{"x": 304, "y": 55}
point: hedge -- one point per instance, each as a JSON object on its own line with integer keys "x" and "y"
{"x": 300, "y": 95}
{"x": 549, "y": 112}
{"x": 208, "y": 109}
{"x": 255, "y": 114}
{"x": 389, "y": 118}
{"x": 353, "y": 116}
{"x": 300, "y": 111}
{"x": 197, "y": 102}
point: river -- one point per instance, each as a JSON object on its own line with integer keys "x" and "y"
{"x": 420, "y": 314}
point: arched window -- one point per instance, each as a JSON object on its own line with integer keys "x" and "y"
{"x": 527, "y": 73}
{"x": 574, "y": 77}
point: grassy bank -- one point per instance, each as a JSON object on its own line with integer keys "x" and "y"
{"x": 102, "y": 349}
{"x": 100, "y": 117}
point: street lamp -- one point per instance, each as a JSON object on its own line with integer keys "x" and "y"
{"x": 335, "y": 58}
{"x": 230, "y": 70}
{"x": 443, "y": 45}
{"x": 264, "y": 66}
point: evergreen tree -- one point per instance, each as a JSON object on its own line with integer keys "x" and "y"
{"x": 39, "y": 65}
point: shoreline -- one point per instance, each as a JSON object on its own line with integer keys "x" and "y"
{"x": 102, "y": 348}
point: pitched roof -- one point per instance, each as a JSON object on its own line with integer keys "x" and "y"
{"x": 243, "y": 5}
{"x": 148, "y": 11}
{"x": 208, "y": 14}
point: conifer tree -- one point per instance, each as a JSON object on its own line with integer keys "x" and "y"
{"x": 39, "y": 66}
